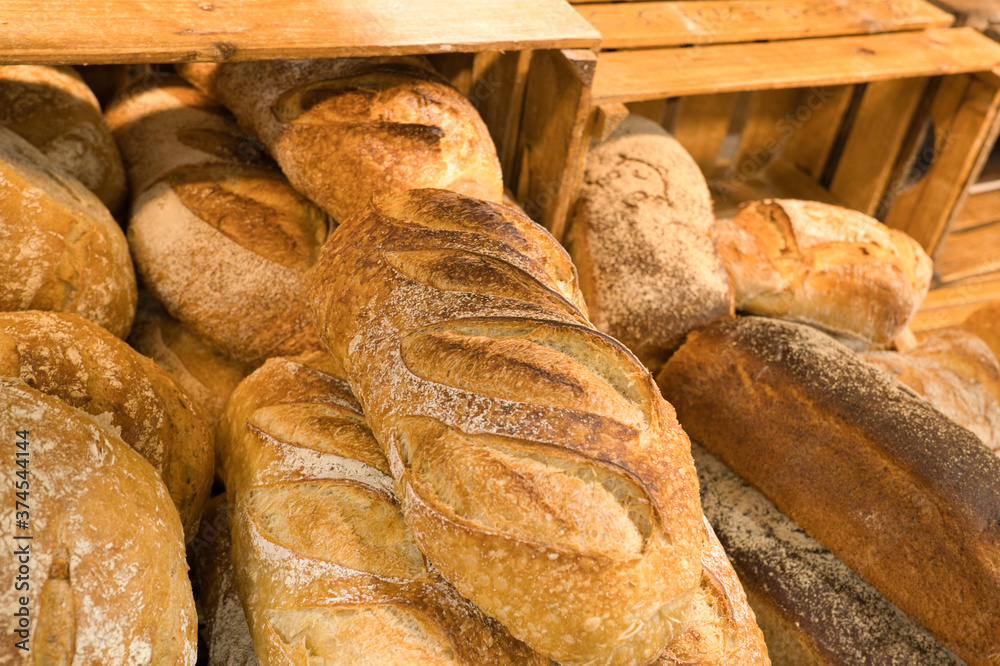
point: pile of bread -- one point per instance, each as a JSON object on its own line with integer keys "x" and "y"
{"x": 388, "y": 419}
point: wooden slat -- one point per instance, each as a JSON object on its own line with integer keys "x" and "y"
{"x": 552, "y": 145}
{"x": 969, "y": 254}
{"x": 625, "y": 76}
{"x": 654, "y": 24}
{"x": 124, "y": 31}
{"x": 979, "y": 209}
{"x": 925, "y": 210}
{"x": 815, "y": 133}
{"x": 766, "y": 130}
{"x": 950, "y": 304}
{"x": 701, "y": 125}
{"x": 654, "y": 109}
{"x": 609, "y": 117}
{"x": 497, "y": 90}
{"x": 876, "y": 136}
{"x": 779, "y": 180}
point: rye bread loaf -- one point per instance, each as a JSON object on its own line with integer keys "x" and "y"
{"x": 458, "y": 326}
{"x": 642, "y": 240}
{"x": 99, "y": 551}
{"x": 824, "y": 265}
{"x": 56, "y": 112}
{"x": 347, "y": 129}
{"x": 80, "y": 363}
{"x": 60, "y": 249}
{"x": 901, "y": 494}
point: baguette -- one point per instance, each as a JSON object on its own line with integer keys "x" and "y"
{"x": 344, "y": 130}
{"x": 456, "y": 322}
{"x": 325, "y": 565}
{"x": 905, "y": 497}
{"x": 97, "y": 565}
{"x": 80, "y": 363}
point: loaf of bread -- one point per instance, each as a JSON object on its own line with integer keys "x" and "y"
{"x": 80, "y": 363}
{"x": 54, "y": 110}
{"x": 326, "y": 568}
{"x": 456, "y": 321}
{"x": 205, "y": 374}
{"x": 901, "y": 494}
{"x": 61, "y": 250}
{"x": 94, "y": 567}
{"x": 813, "y": 610}
{"x": 641, "y": 239}
{"x": 344, "y": 130}
{"x": 824, "y": 265}
{"x": 985, "y": 322}
{"x": 218, "y": 234}
{"x": 226, "y": 634}
{"x": 957, "y": 373}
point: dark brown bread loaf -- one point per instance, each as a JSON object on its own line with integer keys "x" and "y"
{"x": 904, "y": 496}
{"x": 344, "y": 130}
{"x": 456, "y": 321}
{"x": 641, "y": 238}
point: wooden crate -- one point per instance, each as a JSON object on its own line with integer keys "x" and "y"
{"x": 878, "y": 106}
{"x": 492, "y": 49}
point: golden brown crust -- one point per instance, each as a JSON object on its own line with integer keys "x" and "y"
{"x": 347, "y": 129}
{"x": 897, "y": 491}
{"x": 824, "y": 265}
{"x": 54, "y": 110}
{"x": 82, "y": 364}
{"x": 641, "y": 238}
{"x": 218, "y": 234}
{"x": 325, "y": 565}
{"x": 60, "y": 248}
{"x": 105, "y": 564}
{"x": 957, "y": 373}
{"x": 481, "y": 286}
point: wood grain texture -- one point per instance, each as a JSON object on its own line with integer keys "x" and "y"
{"x": 979, "y": 209}
{"x": 637, "y": 75}
{"x": 815, "y": 132}
{"x": 969, "y": 254}
{"x": 131, "y": 31}
{"x": 652, "y": 24}
{"x": 701, "y": 125}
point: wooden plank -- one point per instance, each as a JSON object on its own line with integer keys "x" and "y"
{"x": 654, "y": 109}
{"x": 124, "y": 31}
{"x": 653, "y": 24}
{"x": 766, "y": 130}
{"x": 496, "y": 89}
{"x": 950, "y": 304}
{"x": 609, "y": 117}
{"x": 779, "y": 180}
{"x": 875, "y": 138}
{"x": 969, "y": 254}
{"x": 925, "y": 210}
{"x": 624, "y": 76}
{"x": 979, "y": 209}
{"x": 701, "y": 124}
{"x": 552, "y": 145}
{"x": 815, "y": 132}
{"x": 978, "y": 14}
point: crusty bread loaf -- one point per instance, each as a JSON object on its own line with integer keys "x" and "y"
{"x": 347, "y": 129}
{"x": 456, "y": 324}
{"x": 100, "y": 551}
{"x": 985, "y": 322}
{"x": 204, "y": 373}
{"x": 904, "y": 496}
{"x": 82, "y": 364}
{"x": 641, "y": 238}
{"x": 325, "y": 565}
{"x": 218, "y": 234}
{"x": 54, "y": 110}
{"x": 957, "y": 373}
{"x": 813, "y": 609}
{"x": 61, "y": 250}
{"x": 824, "y": 265}
{"x": 226, "y": 635}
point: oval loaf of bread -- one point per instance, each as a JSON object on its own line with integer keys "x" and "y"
{"x": 80, "y": 363}
{"x": 100, "y": 550}
{"x": 824, "y": 265}
{"x": 344, "y": 130}
{"x": 326, "y": 567}
{"x": 458, "y": 325}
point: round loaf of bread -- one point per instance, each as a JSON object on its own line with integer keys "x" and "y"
{"x": 54, "y": 110}
{"x": 95, "y": 561}
{"x": 641, "y": 239}
{"x": 824, "y": 265}
{"x": 60, "y": 249}
{"x": 70, "y": 358}
{"x": 347, "y": 129}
